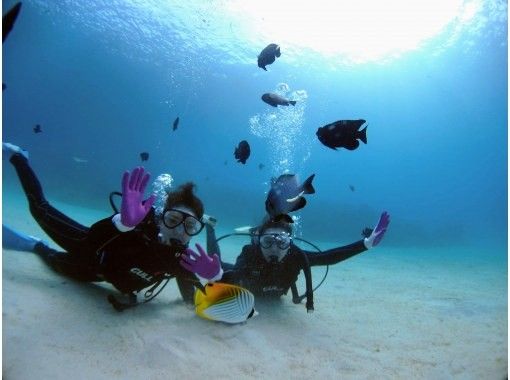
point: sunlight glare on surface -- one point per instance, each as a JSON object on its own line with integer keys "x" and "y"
{"x": 360, "y": 31}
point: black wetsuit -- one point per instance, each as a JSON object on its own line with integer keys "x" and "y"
{"x": 266, "y": 279}
{"x": 130, "y": 261}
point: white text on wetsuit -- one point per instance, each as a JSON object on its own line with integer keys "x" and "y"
{"x": 141, "y": 273}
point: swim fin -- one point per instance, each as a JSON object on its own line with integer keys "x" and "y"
{"x": 224, "y": 303}
{"x": 17, "y": 241}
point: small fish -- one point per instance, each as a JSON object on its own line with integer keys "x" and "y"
{"x": 225, "y": 303}
{"x": 4, "y": 86}
{"x": 225, "y": 162}
{"x": 144, "y": 156}
{"x": 37, "y": 129}
{"x": 261, "y": 166}
{"x": 176, "y": 124}
{"x": 342, "y": 134}
{"x": 276, "y": 100}
{"x": 268, "y": 55}
{"x": 9, "y": 19}
{"x": 242, "y": 152}
{"x": 286, "y": 194}
{"x": 352, "y": 188}
{"x": 80, "y": 160}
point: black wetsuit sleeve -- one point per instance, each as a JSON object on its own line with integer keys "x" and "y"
{"x": 335, "y": 255}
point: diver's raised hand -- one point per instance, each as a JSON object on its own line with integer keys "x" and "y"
{"x": 208, "y": 267}
{"x": 379, "y": 231}
{"x": 133, "y": 208}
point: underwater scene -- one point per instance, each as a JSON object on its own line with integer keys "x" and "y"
{"x": 354, "y": 152}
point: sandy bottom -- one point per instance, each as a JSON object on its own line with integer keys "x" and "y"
{"x": 387, "y": 314}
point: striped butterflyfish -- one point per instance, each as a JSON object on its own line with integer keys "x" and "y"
{"x": 224, "y": 303}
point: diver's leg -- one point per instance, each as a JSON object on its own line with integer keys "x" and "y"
{"x": 67, "y": 264}
{"x": 66, "y": 232}
{"x": 17, "y": 241}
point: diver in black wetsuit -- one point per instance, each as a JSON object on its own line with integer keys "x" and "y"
{"x": 133, "y": 250}
{"x": 270, "y": 265}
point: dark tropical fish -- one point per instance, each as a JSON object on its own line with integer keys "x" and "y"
{"x": 277, "y": 100}
{"x": 176, "y": 124}
{"x": 261, "y": 166}
{"x": 352, "y": 188}
{"x": 242, "y": 152}
{"x": 286, "y": 194}
{"x": 9, "y": 19}
{"x": 144, "y": 156}
{"x": 342, "y": 134}
{"x": 268, "y": 55}
{"x": 37, "y": 129}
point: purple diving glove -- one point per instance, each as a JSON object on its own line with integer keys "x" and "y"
{"x": 133, "y": 209}
{"x": 379, "y": 231}
{"x": 201, "y": 263}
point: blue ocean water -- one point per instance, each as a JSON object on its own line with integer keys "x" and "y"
{"x": 105, "y": 80}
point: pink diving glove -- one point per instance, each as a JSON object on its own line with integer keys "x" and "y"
{"x": 133, "y": 209}
{"x": 208, "y": 267}
{"x": 379, "y": 231}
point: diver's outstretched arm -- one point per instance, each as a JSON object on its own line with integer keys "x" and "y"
{"x": 336, "y": 255}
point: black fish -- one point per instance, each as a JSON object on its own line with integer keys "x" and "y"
{"x": 286, "y": 194}
{"x": 9, "y": 19}
{"x": 144, "y": 156}
{"x": 4, "y": 86}
{"x": 342, "y": 134}
{"x": 242, "y": 152}
{"x": 37, "y": 129}
{"x": 261, "y": 166}
{"x": 268, "y": 55}
{"x": 176, "y": 124}
{"x": 277, "y": 100}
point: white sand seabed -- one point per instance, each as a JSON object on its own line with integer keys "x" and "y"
{"x": 386, "y": 314}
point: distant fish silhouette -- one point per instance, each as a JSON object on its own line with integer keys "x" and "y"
{"x": 176, "y": 124}
{"x": 261, "y": 166}
{"x": 37, "y": 129}
{"x": 144, "y": 156}
{"x": 276, "y": 100}
{"x": 4, "y": 86}
{"x": 9, "y": 19}
{"x": 242, "y": 152}
{"x": 80, "y": 160}
{"x": 225, "y": 163}
{"x": 352, "y": 188}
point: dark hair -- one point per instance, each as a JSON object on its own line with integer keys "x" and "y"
{"x": 269, "y": 222}
{"x": 184, "y": 196}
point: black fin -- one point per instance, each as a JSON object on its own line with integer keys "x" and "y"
{"x": 293, "y": 102}
{"x": 307, "y": 185}
{"x": 9, "y": 19}
{"x": 362, "y": 135}
{"x": 351, "y": 145}
{"x": 299, "y": 204}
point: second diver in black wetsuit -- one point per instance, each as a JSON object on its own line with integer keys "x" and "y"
{"x": 270, "y": 265}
